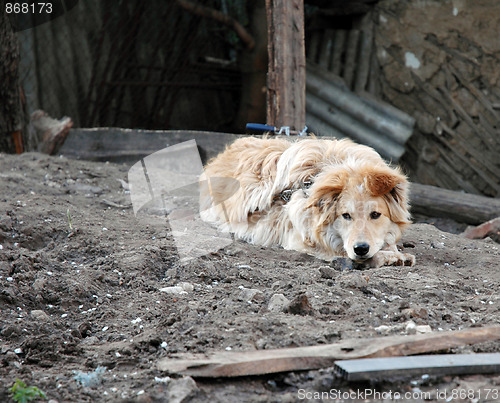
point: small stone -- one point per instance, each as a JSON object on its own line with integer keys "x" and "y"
{"x": 342, "y": 263}
{"x": 411, "y": 327}
{"x": 181, "y": 390}
{"x": 250, "y": 294}
{"x": 328, "y": 272}
{"x": 423, "y": 329}
{"x": 188, "y": 287}
{"x": 39, "y": 315}
{"x": 437, "y": 245}
{"x": 10, "y": 356}
{"x": 175, "y": 290}
{"x": 382, "y": 329}
{"x": 300, "y": 305}
{"x": 278, "y": 303}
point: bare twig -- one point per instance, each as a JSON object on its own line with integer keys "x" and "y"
{"x": 208, "y": 12}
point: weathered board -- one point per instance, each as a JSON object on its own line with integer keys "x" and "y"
{"x": 260, "y": 362}
{"x": 126, "y": 145}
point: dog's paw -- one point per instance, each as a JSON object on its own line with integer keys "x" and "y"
{"x": 390, "y": 258}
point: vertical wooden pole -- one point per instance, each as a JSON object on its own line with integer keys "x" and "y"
{"x": 286, "y": 79}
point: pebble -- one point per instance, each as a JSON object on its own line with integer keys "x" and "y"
{"x": 188, "y": 287}
{"x": 382, "y": 329}
{"x": 180, "y": 289}
{"x": 342, "y": 263}
{"x": 423, "y": 329}
{"x": 411, "y": 327}
{"x": 300, "y": 305}
{"x": 250, "y": 294}
{"x": 40, "y": 315}
{"x": 181, "y": 390}
{"x": 437, "y": 245}
{"x": 278, "y": 303}
{"x": 328, "y": 272}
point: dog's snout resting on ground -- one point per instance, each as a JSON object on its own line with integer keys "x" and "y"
{"x": 327, "y": 198}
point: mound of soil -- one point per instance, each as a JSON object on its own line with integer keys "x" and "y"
{"x": 81, "y": 289}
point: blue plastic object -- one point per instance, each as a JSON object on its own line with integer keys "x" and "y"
{"x": 257, "y": 127}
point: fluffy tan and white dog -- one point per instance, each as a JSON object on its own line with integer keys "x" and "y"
{"x": 327, "y": 198}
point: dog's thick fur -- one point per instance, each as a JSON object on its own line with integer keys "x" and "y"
{"x": 345, "y": 200}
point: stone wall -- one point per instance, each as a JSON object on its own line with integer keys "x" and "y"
{"x": 440, "y": 62}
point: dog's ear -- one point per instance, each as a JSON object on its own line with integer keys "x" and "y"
{"x": 393, "y": 186}
{"x": 327, "y": 188}
{"x": 385, "y": 180}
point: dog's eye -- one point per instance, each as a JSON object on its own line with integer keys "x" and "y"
{"x": 346, "y": 216}
{"x": 374, "y": 215}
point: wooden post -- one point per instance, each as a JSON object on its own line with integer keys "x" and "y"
{"x": 286, "y": 79}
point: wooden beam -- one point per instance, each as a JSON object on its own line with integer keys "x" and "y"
{"x": 286, "y": 80}
{"x": 432, "y": 201}
{"x": 260, "y": 362}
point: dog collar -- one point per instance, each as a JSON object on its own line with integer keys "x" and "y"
{"x": 286, "y": 195}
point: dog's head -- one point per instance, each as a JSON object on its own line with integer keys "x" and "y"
{"x": 359, "y": 208}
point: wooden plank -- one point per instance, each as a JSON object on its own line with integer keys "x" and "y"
{"x": 464, "y": 207}
{"x": 125, "y": 145}
{"x": 379, "y": 369}
{"x": 260, "y": 362}
{"x": 286, "y": 93}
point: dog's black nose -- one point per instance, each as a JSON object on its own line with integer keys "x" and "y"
{"x": 361, "y": 249}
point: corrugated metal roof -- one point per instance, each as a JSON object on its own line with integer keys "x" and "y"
{"x": 334, "y": 110}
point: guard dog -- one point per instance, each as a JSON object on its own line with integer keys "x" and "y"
{"x": 327, "y": 198}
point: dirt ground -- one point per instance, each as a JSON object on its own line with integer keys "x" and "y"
{"x": 80, "y": 283}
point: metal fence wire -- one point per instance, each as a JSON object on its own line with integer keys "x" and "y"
{"x": 135, "y": 64}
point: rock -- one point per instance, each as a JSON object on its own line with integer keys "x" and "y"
{"x": 415, "y": 313}
{"x": 39, "y": 315}
{"x": 250, "y": 294}
{"x": 176, "y": 290}
{"x": 179, "y": 289}
{"x": 181, "y": 390}
{"x": 437, "y": 245}
{"x": 188, "y": 287}
{"x": 382, "y": 329}
{"x": 327, "y": 272}
{"x": 278, "y": 303}
{"x": 352, "y": 280}
{"x": 411, "y": 327}
{"x": 11, "y": 356}
{"x": 423, "y": 329}
{"x": 300, "y": 305}
{"x": 342, "y": 263}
